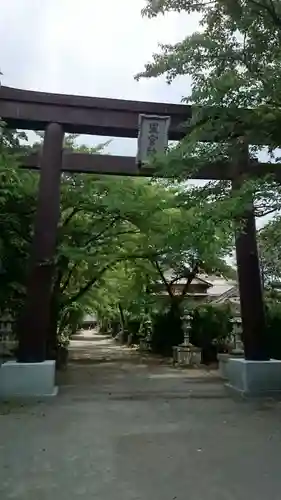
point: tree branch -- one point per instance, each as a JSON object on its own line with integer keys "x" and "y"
{"x": 190, "y": 278}
{"x": 166, "y": 283}
{"x": 90, "y": 283}
{"x": 122, "y": 316}
{"x": 70, "y": 273}
{"x": 70, "y": 216}
{"x": 155, "y": 8}
{"x": 260, "y": 213}
{"x": 270, "y": 10}
{"x": 97, "y": 236}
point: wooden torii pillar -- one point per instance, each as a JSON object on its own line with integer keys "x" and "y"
{"x": 34, "y": 321}
{"x": 250, "y": 288}
{"x": 248, "y": 270}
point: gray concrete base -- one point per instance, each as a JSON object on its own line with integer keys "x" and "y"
{"x": 254, "y": 378}
{"x": 223, "y": 364}
{"x": 27, "y": 379}
{"x": 224, "y": 359}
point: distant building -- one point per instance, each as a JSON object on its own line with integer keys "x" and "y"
{"x": 226, "y": 292}
{"x": 197, "y": 290}
{"x": 89, "y": 321}
{"x": 204, "y": 288}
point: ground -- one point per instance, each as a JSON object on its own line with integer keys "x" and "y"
{"x": 131, "y": 428}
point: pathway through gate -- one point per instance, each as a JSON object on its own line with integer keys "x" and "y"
{"x": 135, "y": 430}
{"x": 98, "y": 364}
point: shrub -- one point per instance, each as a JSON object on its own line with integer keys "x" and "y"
{"x": 167, "y": 331}
{"x": 211, "y": 326}
{"x": 273, "y": 329}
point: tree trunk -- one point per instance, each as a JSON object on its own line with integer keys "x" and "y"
{"x": 52, "y": 334}
{"x": 122, "y": 317}
{"x": 209, "y": 354}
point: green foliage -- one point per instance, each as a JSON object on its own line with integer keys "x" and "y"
{"x": 234, "y": 62}
{"x": 210, "y": 324}
{"x": 270, "y": 245}
{"x": 117, "y": 237}
{"x": 211, "y": 327}
{"x": 234, "y": 65}
{"x": 167, "y": 330}
{"x": 174, "y": 236}
{"x": 17, "y": 209}
{"x": 232, "y": 59}
{"x": 273, "y": 329}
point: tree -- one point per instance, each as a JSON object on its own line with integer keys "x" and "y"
{"x": 270, "y": 244}
{"x": 129, "y": 230}
{"x": 236, "y": 52}
{"x": 184, "y": 239}
{"x": 121, "y": 301}
{"x": 17, "y": 208}
{"x": 104, "y": 222}
{"x": 234, "y": 63}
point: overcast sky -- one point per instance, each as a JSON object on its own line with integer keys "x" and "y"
{"x": 88, "y": 47}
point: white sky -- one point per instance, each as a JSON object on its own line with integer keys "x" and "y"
{"x": 88, "y": 47}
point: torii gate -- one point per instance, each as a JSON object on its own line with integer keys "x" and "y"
{"x": 57, "y": 114}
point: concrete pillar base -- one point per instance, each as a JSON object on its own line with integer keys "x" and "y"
{"x": 27, "y": 379}
{"x": 254, "y": 378}
{"x": 224, "y": 359}
{"x": 223, "y": 363}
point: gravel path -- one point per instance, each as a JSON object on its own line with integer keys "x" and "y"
{"x": 130, "y": 428}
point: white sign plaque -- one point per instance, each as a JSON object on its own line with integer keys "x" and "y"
{"x": 153, "y": 136}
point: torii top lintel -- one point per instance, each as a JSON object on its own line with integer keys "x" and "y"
{"x": 30, "y": 110}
